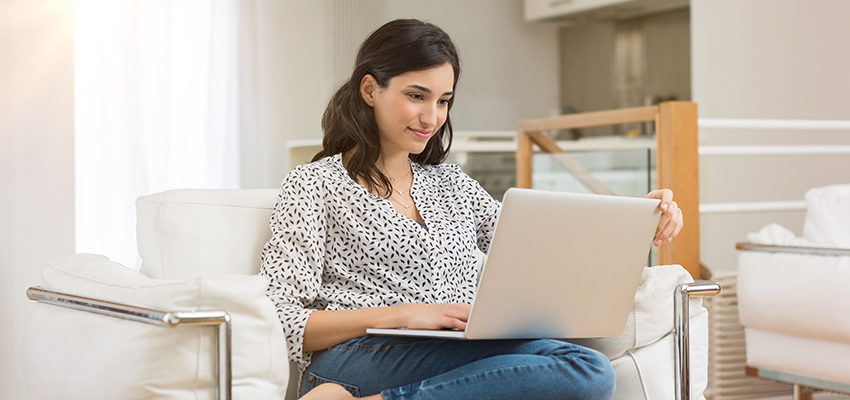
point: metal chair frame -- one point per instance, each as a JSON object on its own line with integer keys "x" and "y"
{"x": 220, "y": 320}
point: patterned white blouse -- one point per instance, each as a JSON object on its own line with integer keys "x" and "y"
{"x": 336, "y": 246}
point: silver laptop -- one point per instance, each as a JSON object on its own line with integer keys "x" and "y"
{"x": 561, "y": 265}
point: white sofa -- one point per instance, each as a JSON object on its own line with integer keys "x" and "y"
{"x": 201, "y": 251}
{"x": 794, "y": 297}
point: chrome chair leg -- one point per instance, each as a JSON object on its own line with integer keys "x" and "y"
{"x": 681, "y": 318}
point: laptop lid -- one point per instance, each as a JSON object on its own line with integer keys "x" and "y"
{"x": 562, "y": 265}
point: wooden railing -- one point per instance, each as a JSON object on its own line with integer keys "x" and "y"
{"x": 677, "y": 163}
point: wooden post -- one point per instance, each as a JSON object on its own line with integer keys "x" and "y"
{"x": 678, "y": 170}
{"x": 524, "y": 155}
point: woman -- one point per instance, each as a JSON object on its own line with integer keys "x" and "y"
{"x": 377, "y": 233}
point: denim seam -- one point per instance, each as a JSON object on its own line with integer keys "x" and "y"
{"x": 354, "y": 347}
{"x": 345, "y": 385}
{"x": 422, "y": 387}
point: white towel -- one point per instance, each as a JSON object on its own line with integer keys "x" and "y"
{"x": 778, "y": 235}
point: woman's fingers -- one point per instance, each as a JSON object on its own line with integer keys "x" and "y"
{"x": 681, "y": 223}
{"x": 666, "y": 234}
{"x": 671, "y": 221}
{"x": 452, "y": 316}
{"x": 677, "y": 222}
{"x": 456, "y": 316}
{"x": 670, "y": 226}
{"x": 461, "y": 311}
{"x": 665, "y": 195}
{"x": 437, "y": 316}
{"x": 458, "y": 324}
{"x": 663, "y": 221}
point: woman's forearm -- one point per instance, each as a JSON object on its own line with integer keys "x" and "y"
{"x": 328, "y": 328}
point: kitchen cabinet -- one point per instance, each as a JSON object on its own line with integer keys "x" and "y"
{"x": 543, "y": 10}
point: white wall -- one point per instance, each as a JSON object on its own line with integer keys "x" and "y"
{"x": 285, "y": 83}
{"x": 36, "y": 159}
{"x": 767, "y": 59}
{"x": 306, "y": 50}
{"x": 509, "y": 66}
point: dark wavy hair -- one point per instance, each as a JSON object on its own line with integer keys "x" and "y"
{"x": 397, "y": 47}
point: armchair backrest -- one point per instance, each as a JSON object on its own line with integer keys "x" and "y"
{"x": 187, "y": 233}
{"x": 827, "y": 216}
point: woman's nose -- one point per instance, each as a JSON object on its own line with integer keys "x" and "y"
{"x": 428, "y": 116}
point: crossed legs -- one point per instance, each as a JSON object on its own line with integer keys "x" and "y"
{"x": 404, "y": 368}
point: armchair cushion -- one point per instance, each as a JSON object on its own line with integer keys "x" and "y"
{"x": 94, "y": 356}
{"x": 801, "y": 295}
{"x": 818, "y": 359}
{"x": 187, "y": 233}
{"x": 647, "y": 373}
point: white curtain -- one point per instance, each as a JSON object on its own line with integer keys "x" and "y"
{"x": 156, "y": 108}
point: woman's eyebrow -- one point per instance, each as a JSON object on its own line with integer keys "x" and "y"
{"x": 426, "y": 90}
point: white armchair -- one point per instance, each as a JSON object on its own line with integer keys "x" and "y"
{"x": 211, "y": 333}
{"x": 793, "y": 297}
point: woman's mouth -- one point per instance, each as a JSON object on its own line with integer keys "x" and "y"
{"x": 425, "y": 134}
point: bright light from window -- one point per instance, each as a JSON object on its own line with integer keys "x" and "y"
{"x": 155, "y": 109}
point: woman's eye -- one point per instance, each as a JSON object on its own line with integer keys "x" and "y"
{"x": 444, "y": 102}
{"x": 415, "y": 96}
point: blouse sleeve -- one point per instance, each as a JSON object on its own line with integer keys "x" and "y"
{"x": 485, "y": 210}
{"x": 292, "y": 260}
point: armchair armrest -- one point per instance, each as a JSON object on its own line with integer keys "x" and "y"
{"x": 770, "y": 248}
{"x": 215, "y": 318}
{"x": 682, "y": 329}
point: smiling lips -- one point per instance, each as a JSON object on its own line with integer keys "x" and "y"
{"x": 424, "y": 134}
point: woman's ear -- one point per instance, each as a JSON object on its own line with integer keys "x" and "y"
{"x": 368, "y": 88}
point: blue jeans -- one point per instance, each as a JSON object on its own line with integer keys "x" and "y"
{"x": 415, "y": 368}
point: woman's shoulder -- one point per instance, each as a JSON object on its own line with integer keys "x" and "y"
{"x": 446, "y": 175}
{"x": 443, "y": 170}
{"x": 320, "y": 165}
{"x": 315, "y": 173}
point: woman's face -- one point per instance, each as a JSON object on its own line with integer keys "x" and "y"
{"x": 412, "y": 107}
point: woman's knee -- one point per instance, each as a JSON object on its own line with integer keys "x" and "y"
{"x": 601, "y": 380}
{"x": 588, "y": 372}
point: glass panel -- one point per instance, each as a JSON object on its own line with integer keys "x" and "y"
{"x": 625, "y": 172}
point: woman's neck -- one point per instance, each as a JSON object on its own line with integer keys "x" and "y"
{"x": 394, "y": 165}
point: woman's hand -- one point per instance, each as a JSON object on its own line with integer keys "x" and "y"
{"x": 434, "y": 316}
{"x": 326, "y": 329}
{"x": 671, "y": 221}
